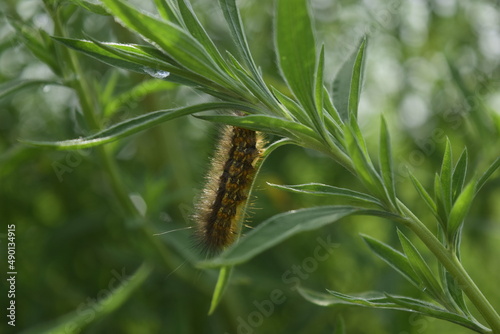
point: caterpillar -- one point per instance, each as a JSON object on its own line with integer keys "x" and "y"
{"x": 222, "y": 203}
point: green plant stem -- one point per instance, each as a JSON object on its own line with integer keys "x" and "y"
{"x": 450, "y": 261}
{"x": 86, "y": 96}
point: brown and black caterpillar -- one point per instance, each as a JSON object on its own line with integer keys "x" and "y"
{"x": 222, "y": 204}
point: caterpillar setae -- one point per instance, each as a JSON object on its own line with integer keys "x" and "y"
{"x": 223, "y": 200}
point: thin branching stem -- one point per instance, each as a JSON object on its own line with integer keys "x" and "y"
{"x": 86, "y": 97}
{"x": 450, "y": 261}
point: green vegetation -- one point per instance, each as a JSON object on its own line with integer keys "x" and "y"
{"x": 364, "y": 110}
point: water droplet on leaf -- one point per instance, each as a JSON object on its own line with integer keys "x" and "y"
{"x": 158, "y": 74}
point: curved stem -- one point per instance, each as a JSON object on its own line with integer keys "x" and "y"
{"x": 455, "y": 268}
{"x": 86, "y": 97}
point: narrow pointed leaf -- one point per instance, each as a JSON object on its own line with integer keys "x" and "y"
{"x": 357, "y": 80}
{"x": 318, "y": 90}
{"x": 268, "y": 124}
{"x": 292, "y": 107}
{"x": 220, "y": 287}
{"x": 169, "y": 38}
{"x": 91, "y": 6}
{"x": 362, "y": 163}
{"x": 446, "y": 177}
{"x": 77, "y": 320}
{"x": 196, "y": 29}
{"x": 342, "y": 85}
{"x": 129, "y": 127}
{"x": 440, "y": 206}
{"x": 385, "y": 157}
{"x": 459, "y": 174}
{"x": 296, "y": 48}
{"x": 277, "y": 229}
{"x": 137, "y": 58}
{"x": 14, "y": 86}
{"x": 259, "y": 91}
{"x": 39, "y": 43}
{"x": 434, "y": 311}
{"x": 389, "y": 302}
{"x": 340, "y": 326}
{"x": 486, "y": 175}
{"x": 330, "y": 107}
{"x": 360, "y": 140}
{"x": 424, "y": 195}
{"x": 456, "y": 293}
{"x": 460, "y": 208}
{"x": 395, "y": 259}
{"x": 232, "y": 16}
{"x": 168, "y": 11}
{"x": 319, "y": 189}
{"x": 334, "y": 298}
{"x": 421, "y": 268}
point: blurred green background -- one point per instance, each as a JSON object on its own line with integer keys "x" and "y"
{"x": 432, "y": 70}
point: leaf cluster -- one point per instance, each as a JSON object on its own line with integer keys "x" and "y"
{"x": 307, "y": 112}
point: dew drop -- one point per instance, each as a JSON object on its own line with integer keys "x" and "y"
{"x": 158, "y": 74}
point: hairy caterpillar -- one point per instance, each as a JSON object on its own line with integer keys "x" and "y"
{"x": 223, "y": 200}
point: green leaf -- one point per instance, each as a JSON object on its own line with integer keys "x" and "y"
{"x": 146, "y": 60}
{"x": 14, "y": 86}
{"x": 342, "y": 84}
{"x": 434, "y": 311}
{"x": 39, "y": 43}
{"x": 424, "y": 195}
{"x": 168, "y": 11}
{"x": 220, "y": 287}
{"x": 459, "y": 174}
{"x": 360, "y": 140}
{"x": 296, "y": 47}
{"x": 385, "y": 157}
{"x": 456, "y": 293}
{"x": 91, "y": 6}
{"x": 318, "y": 91}
{"x": 277, "y": 229}
{"x": 332, "y": 112}
{"x": 137, "y": 92}
{"x": 362, "y": 163}
{"x": 486, "y": 175}
{"x": 357, "y": 80}
{"x": 130, "y": 126}
{"x": 232, "y": 16}
{"x": 440, "y": 206}
{"x": 420, "y": 267}
{"x": 170, "y": 38}
{"x": 334, "y": 298}
{"x": 446, "y": 177}
{"x": 268, "y": 124}
{"x": 319, "y": 189}
{"x": 340, "y": 326}
{"x": 292, "y": 107}
{"x": 393, "y": 258}
{"x": 389, "y": 302}
{"x": 194, "y": 26}
{"x": 332, "y": 126}
{"x": 251, "y": 85}
{"x": 77, "y": 320}
{"x": 138, "y": 58}
{"x": 460, "y": 208}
